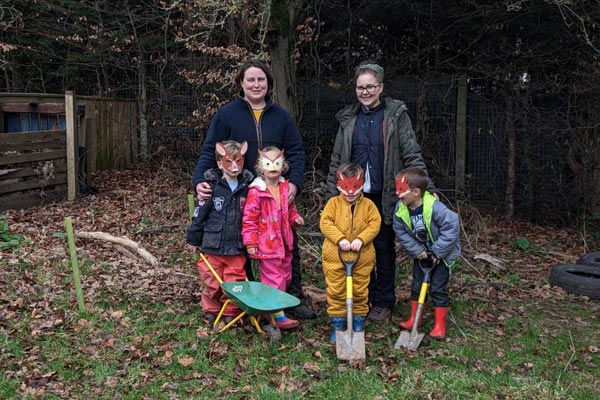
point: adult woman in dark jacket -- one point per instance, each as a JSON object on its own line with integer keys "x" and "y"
{"x": 377, "y": 134}
{"x": 253, "y": 117}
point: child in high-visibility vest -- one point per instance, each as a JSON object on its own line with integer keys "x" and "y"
{"x": 430, "y": 233}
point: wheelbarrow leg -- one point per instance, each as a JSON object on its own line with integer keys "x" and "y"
{"x": 254, "y": 322}
{"x": 232, "y": 322}
{"x": 220, "y": 313}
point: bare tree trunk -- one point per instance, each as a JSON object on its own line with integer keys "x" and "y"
{"x": 510, "y": 167}
{"x": 281, "y": 41}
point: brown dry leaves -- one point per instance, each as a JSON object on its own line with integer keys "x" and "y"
{"x": 130, "y": 202}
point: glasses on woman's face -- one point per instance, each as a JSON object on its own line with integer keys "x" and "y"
{"x": 369, "y": 88}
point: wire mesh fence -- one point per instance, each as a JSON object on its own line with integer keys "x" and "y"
{"x": 546, "y": 188}
{"x": 536, "y": 149}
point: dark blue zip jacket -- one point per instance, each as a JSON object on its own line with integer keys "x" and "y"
{"x": 217, "y": 223}
{"x": 235, "y": 121}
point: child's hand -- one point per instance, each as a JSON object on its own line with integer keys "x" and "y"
{"x": 192, "y": 248}
{"x": 251, "y": 251}
{"x": 423, "y": 255}
{"x": 356, "y": 245}
{"x": 344, "y": 245}
{"x": 299, "y": 221}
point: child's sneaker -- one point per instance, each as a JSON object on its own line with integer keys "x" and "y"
{"x": 287, "y": 323}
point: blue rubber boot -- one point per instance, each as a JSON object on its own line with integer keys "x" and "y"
{"x": 338, "y": 324}
{"x": 358, "y": 323}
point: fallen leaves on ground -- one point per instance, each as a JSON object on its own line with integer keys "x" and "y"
{"x": 149, "y": 206}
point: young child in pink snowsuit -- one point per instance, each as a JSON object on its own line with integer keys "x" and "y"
{"x": 267, "y": 225}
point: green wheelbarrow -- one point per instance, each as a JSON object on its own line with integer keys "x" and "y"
{"x": 254, "y": 299}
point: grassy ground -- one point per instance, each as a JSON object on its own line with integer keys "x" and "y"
{"x": 141, "y": 348}
{"x": 510, "y": 334}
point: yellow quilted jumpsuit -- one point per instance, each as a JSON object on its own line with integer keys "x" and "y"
{"x": 342, "y": 220}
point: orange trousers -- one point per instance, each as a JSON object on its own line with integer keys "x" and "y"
{"x": 229, "y": 269}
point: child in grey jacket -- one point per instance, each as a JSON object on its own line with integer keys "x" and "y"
{"x": 430, "y": 233}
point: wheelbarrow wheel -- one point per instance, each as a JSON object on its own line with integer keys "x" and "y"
{"x": 272, "y": 333}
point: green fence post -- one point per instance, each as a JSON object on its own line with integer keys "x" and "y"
{"x": 74, "y": 265}
{"x": 191, "y": 205}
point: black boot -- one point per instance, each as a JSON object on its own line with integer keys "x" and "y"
{"x": 302, "y": 312}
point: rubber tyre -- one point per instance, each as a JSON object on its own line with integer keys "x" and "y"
{"x": 592, "y": 259}
{"x": 577, "y": 279}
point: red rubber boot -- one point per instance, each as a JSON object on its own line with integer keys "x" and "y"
{"x": 413, "y": 310}
{"x": 439, "y": 324}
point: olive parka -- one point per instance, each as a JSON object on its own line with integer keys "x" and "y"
{"x": 401, "y": 150}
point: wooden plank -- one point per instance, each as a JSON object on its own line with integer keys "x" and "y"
{"x": 110, "y": 142}
{"x": 23, "y": 158}
{"x": 36, "y": 136}
{"x": 43, "y": 108}
{"x": 125, "y": 118}
{"x": 31, "y": 98}
{"x": 26, "y": 200}
{"x": 124, "y": 133}
{"x": 72, "y": 145}
{"x": 98, "y": 134}
{"x": 91, "y": 140}
{"x": 133, "y": 131}
{"x": 116, "y": 139}
{"x": 81, "y": 124}
{"x": 49, "y": 97}
{"x": 121, "y": 137}
{"x": 9, "y": 186}
{"x": 102, "y": 137}
{"x": 26, "y": 172}
{"x": 29, "y": 146}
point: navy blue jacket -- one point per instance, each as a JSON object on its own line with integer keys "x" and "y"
{"x": 368, "y": 146}
{"x": 235, "y": 121}
{"x": 217, "y": 223}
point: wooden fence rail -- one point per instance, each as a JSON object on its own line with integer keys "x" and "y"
{"x": 40, "y": 166}
{"x": 33, "y": 168}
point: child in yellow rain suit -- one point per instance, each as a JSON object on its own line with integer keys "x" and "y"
{"x": 349, "y": 222}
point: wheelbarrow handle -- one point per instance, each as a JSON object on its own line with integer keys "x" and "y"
{"x": 217, "y": 277}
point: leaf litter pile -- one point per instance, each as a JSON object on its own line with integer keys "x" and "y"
{"x": 502, "y": 262}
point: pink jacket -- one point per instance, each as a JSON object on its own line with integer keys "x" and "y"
{"x": 260, "y": 225}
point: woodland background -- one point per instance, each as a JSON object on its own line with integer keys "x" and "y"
{"x": 531, "y": 69}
